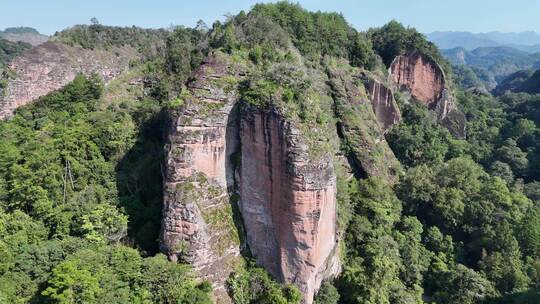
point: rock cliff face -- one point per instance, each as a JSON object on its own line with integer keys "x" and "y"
{"x": 426, "y": 83}
{"x": 423, "y": 78}
{"x": 360, "y": 127}
{"x": 198, "y": 223}
{"x": 288, "y": 203}
{"x": 52, "y": 65}
{"x": 384, "y": 105}
{"x": 220, "y": 159}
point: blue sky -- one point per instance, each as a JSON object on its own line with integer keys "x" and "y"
{"x": 49, "y": 16}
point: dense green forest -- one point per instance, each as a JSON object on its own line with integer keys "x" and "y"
{"x": 80, "y": 179}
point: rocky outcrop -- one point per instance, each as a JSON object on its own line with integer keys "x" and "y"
{"x": 52, "y": 65}
{"x": 198, "y": 223}
{"x": 218, "y": 159}
{"x": 288, "y": 202}
{"x": 382, "y": 100}
{"x": 419, "y": 75}
{"x": 425, "y": 81}
{"x": 360, "y": 128}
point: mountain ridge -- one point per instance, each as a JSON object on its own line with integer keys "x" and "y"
{"x": 526, "y": 41}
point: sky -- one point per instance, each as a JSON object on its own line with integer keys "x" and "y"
{"x": 49, "y": 16}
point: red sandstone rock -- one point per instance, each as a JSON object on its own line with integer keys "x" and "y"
{"x": 383, "y": 102}
{"x": 359, "y": 125}
{"x": 198, "y": 225}
{"x": 288, "y": 203}
{"x": 425, "y": 80}
{"x": 52, "y": 65}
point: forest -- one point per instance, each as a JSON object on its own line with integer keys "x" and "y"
{"x": 81, "y": 182}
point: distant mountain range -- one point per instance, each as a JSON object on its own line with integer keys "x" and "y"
{"x": 525, "y": 41}
{"x": 23, "y": 34}
{"x": 488, "y": 57}
{"x": 490, "y": 65}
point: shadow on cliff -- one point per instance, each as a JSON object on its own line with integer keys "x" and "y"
{"x": 140, "y": 185}
{"x": 232, "y": 170}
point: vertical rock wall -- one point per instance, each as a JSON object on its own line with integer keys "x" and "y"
{"x": 383, "y": 102}
{"x": 359, "y": 126}
{"x": 425, "y": 80}
{"x": 287, "y": 200}
{"x": 198, "y": 224}
{"x": 288, "y": 203}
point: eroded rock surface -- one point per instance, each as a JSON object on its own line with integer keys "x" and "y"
{"x": 426, "y": 83}
{"x": 423, "y": 78}
{"x": 198, "y": 223}
{"x": 382, "y": 99}
{"x": 52, "y": 65}
{"x": 288, "y": 203}
{"x": 219, "y": 158}
{"x": 360, "y": 128}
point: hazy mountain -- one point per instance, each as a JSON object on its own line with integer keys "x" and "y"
{"x": 527, "y": 48}
{"x": 526, "y": 41}
{"x": 523, "y": 38}
{"x": 469, "y": 41}
{"x": 23, "y": 34}
{"x": 491, "y": 65}
{"x": 527, "y": 81}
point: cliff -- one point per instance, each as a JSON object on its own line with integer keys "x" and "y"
{"x": 52, "y": 65}
{"x": 425, "y": 81}
{"x": 364, "y": 115}
{"x": 224, "y": 154}
{"x": 198, "y": 224}
{"x": 382, "y": 100}
{"x": 288, "y": 202}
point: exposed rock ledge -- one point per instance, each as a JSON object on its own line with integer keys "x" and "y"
{"x": 382, "y": 101}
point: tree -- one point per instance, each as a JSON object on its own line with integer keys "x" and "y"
{"x": 529, "y": 233}
{"x": 463, "y": 285}
{"x": 254, "y": 285}
{"x": 70, "y": 284}
{"x": 104, "y": 224}
{"x": 327, "y": 294}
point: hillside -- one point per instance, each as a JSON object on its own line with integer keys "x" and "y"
{"x": 279, "y": 156}
{"x": 491, "y": 65}
{"x": 10, "y": 50}
{"x": 525, "y": 81}
{"x": 23, "y": 34}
